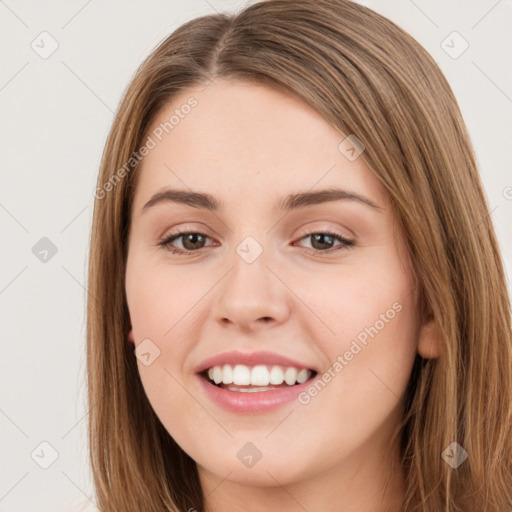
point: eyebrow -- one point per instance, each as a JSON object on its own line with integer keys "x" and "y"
{"x": 290, "y": 202}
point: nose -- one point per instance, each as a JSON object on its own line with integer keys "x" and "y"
{"x": 251, "y": 297}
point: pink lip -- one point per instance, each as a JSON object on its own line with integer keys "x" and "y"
{"x": 250, "y": 359}
{"x": 260, "y": 401}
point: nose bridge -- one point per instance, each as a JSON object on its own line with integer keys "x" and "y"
{"x": 250, "y": 292}
{"x": 249, "y": 275}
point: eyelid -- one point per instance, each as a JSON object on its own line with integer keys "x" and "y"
{"x": 182, "y": 229}
{"x": 321, "y": 227}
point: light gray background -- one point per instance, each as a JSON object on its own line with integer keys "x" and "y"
{"x": 55, "y": 115}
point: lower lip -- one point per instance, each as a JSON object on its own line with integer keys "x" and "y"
{"x": 256, "y": 402}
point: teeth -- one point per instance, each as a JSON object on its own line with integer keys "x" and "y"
{"x": 290, "y": 376}
{"x": 241, "y": 375}
{"x": 276, "y": 375}
{"x": 249, "y": 390}
{"x": 259, "y": 375}
{"x": 302, "y": 376}
{"x": 217, "y": 374}
{"x": 227, "y": 374}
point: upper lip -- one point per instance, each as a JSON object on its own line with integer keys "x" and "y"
{"x": 250, "y": 359}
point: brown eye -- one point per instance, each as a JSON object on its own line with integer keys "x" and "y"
{"x": 325, "y": 241}
{"x": 193, "y": 241}
{"x": 322, "y": 241}
{"x": 189, "y": 241}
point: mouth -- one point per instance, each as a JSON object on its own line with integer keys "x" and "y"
{"x": 253, "y": 382}
{"x": 241, "y": 378}
{"x": 254, "y": 389}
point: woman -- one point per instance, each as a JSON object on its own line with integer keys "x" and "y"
{"x": 297, "y": 300}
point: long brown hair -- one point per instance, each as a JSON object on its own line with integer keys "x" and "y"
{"x": 367, "y": 77}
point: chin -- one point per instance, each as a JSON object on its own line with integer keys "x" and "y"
{"x": 270, "y": 470}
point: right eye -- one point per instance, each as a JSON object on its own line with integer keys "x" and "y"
{"x": 191, "y": 241}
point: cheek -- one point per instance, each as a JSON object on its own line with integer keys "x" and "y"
{"x": 370, "y": 360}
{"x": 164, "y": 304}
{"x": 346, "y": 299}
{"x": 160, "y": 298}
{"x": 370, "y": 311}
{"x": 378, "y": 350}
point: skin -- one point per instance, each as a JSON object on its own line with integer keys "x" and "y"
{"x": 250, "y": 146}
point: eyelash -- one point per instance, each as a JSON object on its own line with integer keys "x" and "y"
{"x": 345, "y": 243}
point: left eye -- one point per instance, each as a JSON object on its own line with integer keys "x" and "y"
{"x": 323, "y": 241}
{"x": 193, "y": 241}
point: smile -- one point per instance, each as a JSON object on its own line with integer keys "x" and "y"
{"x": 254, "y": 382}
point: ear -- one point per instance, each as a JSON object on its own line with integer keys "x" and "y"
{"x": 430, "y": 341}
{"x": 130, "y": 336}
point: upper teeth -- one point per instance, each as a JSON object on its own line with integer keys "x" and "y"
{"x": 259, "y": 375}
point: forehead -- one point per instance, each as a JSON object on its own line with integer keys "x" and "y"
{"x": 240, "y": 139}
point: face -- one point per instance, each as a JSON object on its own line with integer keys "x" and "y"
{"x": 264, "y": 277}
